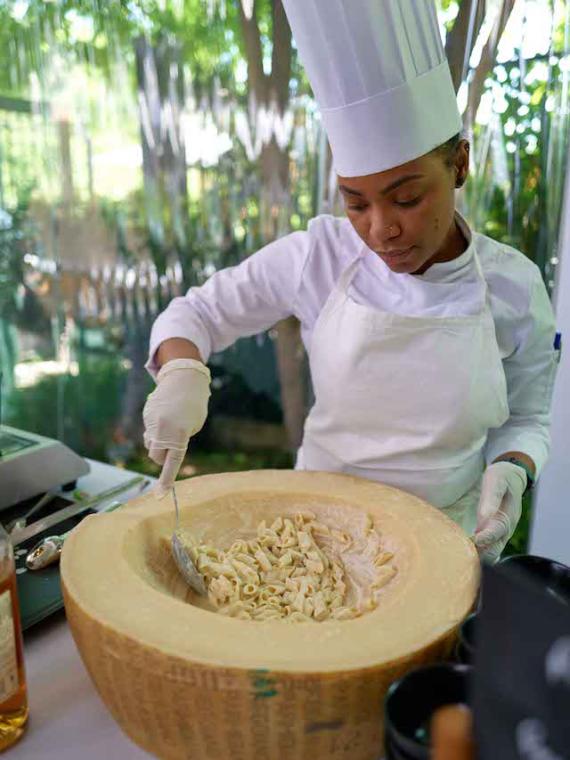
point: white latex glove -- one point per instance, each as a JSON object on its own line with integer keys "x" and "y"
{"x": 175, "y": 411}
{"x": 500, "y": 507}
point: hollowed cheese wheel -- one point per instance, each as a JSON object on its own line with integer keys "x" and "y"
{"x": 185, "y": 682}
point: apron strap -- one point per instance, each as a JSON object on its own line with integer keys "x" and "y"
{"x": 347, "y": 275}
{"x": 486, "y": 305}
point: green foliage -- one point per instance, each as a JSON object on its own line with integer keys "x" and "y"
{"x": 210, "y": 462}
{"x": 96, "y": 32}
{"x": 11, "y": 237}
{"x": 519, "y": 541}
{"x": 515, "y": 190}
{"x": 20, "y": 305}
{"x": 81, "y": 410}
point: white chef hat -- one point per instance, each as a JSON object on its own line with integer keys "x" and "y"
{"x": 379, "y": 73}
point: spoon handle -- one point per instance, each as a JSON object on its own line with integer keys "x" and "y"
{"x": 175, "y": 499}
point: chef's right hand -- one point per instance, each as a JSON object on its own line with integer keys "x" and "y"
{"x": 174, "y": 412}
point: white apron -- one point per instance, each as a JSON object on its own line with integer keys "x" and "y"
{"x": 405, "y": 400}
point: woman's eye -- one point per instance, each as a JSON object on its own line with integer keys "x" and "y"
{"x": 411, "y": 202}
{"x": 356, "y": 208}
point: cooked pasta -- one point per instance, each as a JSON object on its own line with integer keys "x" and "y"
{"x": 284, "y": 573}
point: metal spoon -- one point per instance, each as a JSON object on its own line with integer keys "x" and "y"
{"x": 48, "y": 551}
{"x": 183, "y": 560}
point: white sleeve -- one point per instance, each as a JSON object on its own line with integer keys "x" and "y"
{"x": 530, "y": 371}
{"x": 238, "y": 301}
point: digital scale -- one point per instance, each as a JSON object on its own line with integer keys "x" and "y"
{"x": 31, "y": 465}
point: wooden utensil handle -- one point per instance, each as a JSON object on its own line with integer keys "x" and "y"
{"x": 451, "y": 733}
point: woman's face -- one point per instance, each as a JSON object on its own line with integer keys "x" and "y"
{"x": 406, "y": 214}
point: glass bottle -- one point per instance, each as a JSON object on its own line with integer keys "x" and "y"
{"x": 13, "y": 693}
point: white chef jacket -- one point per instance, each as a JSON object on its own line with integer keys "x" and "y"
{"x": 295, "y": 275}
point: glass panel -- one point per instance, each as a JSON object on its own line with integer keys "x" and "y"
{"x": 131, "y": 169}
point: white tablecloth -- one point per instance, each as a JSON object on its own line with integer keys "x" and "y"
{"x": 68, "y": 720}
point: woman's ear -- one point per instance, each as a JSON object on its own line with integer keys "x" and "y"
{"x": 461, "y": 167}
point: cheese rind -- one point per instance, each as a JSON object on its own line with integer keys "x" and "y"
{"x": 185, "y": 682}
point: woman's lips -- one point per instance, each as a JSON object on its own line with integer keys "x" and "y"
{"x": 395, "y": 254}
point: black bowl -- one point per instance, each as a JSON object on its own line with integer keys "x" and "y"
{"x": 553, "y": 576}
{"x": 411, "y": 702}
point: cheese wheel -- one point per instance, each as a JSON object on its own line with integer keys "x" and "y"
{"x": 186, "y": 682}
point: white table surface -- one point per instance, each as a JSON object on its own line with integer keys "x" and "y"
{"x": 68, "y": 720}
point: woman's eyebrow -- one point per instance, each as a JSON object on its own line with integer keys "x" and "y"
{"x": 392, "y": 186}
{"x": 400, "y": 181}
{"x": 349, "y": 191}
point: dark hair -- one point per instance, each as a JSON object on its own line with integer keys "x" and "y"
{"x": 448, "y": 149}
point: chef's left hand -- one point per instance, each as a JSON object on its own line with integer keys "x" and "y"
{"x": 500, "y": 507}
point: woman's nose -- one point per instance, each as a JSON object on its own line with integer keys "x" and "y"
{"x": 383, "y": 229}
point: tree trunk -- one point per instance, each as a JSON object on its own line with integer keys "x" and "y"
{"x": 272, "y": 92}
{"x": 161, "y": 95}
{"x": 462, "y": 38}
{"x": 67, "y": 190}
{"x": 460, "y": 43}
{"x": 291, "y": 366}
{"x": 289, "y": 348}
{"x": 488, "y": 57}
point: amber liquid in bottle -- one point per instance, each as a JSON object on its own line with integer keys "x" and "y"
{"x": 13, "y": 694}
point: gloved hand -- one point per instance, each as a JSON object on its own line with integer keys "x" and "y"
{"x": 500, "y": 507}
{"x": 175, "y": 411}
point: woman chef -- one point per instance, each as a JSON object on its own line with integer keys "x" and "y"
{"x": 430, "y": 345}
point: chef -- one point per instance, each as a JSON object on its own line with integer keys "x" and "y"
{"x": 431, "y": 346}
